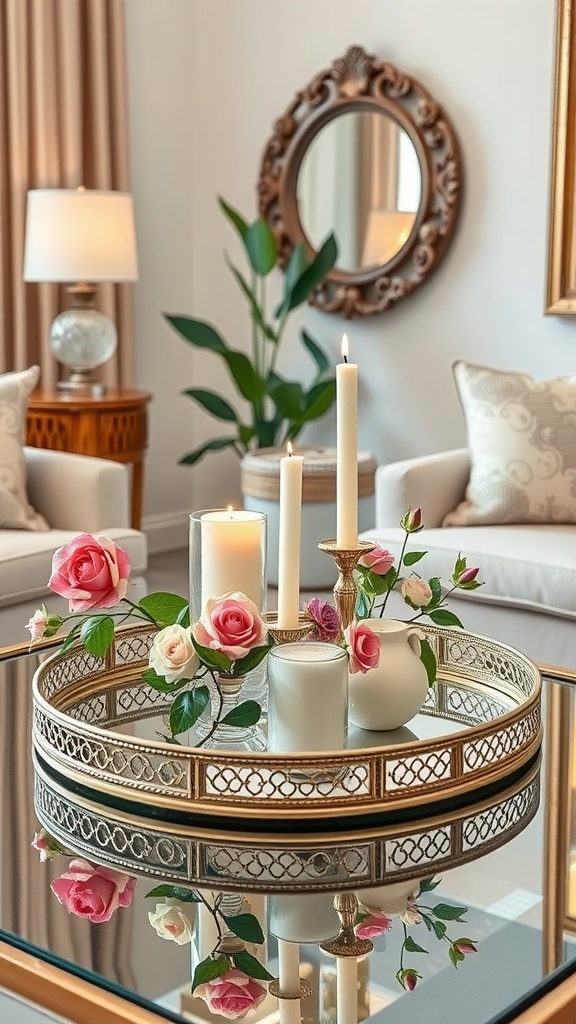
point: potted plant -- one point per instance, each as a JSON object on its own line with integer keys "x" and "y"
{"x": 278, "y": 408}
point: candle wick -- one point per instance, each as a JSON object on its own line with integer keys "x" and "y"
{"x": 345, "y": 357}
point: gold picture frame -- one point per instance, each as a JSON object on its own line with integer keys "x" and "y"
{"x": 561, "y": 280}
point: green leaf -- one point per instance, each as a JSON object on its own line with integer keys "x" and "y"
{"x": 473, "y": 585}
{"x": 251, "y": 660}
{"x": 412, "y": 947}
{"x": 97, "y": 634}
{"x": 427, "y": 885}
{"x": 213, "y": 404}
{"x": 71, "y": 638}
{"x": 318, "y": 400}
{"x": 251, "y": 966}
{"x": 164, "y": 608}
{"x": 197, "y": 332}
{"x": 436, "y": 587}
{"x": 215, "y": 445}
{"x": 455, "y": 955}
{"x": 428, "y": 659}
{"x": 319, "y": 357}
{"x": 173, "y": 892}
{"x": 245, "y": 434}
{"x": 448, "y": 913}
{"x": 438, "y": 928}
{"x": 209, "y": 969}
{"x": 459, "y": 566}
{"x": 289, "y": 398}
{"x": 187, "y": 708}
{"x": 382, "y": 584}
{"x": 294, "y": 269}
{"x": 246, "y": 927}
{"x": 234, "y": 217}
{"x": 203, "y": 335}
{"x": 247, "y": 713}
{"x": 255, "y": 309}
{"x": 443, "y": 617}
{"x": 314, "y": 274}
{"x": 411, "y": 557}
{"x": 363, "y": 605}
{"x": 261, "y": 247}
{"x": 213, "y": 659}
{"x": 159, "y": 683}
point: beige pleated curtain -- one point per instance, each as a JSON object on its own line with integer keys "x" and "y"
{"x": 63, "y": 123}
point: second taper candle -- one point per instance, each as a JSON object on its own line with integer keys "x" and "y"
{"x": 289, "y": 529}
{"x": 346, "y": 452}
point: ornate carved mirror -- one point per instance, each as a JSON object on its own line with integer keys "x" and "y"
{"x": 366, "y": 153}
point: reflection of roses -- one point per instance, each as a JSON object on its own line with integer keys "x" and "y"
{"x": 373, "y": 926}
{"x": 417, "y": 592}
{"x": 230, "y": 624}
{"x": 325, "y": 619}
{"x": 91, "y": 572}
{"x": 171, "y": 922}
{"x": 379, "y": 560}
{"x": 232, "y": 995}
{"x": 363, "y": 647}
{"x": 92, "y": 891}
{"x": 172, "y": 654}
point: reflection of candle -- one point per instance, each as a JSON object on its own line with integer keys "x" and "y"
{"x": 289, "y": 967}
{"x": 346, "y": 451}
{"x": 346, "y": 990}
{"x": 307, "y": 697}
{"x": 232, "y": 554}
{"x": 289, "y": 539}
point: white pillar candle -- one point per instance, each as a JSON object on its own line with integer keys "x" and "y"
{"x": 289, "y": 540}
{"x": 232, "y": 557}
{"x": 307, "y": 697}
{"x": 346, "y": 990}
{"x": 346, "y": 452}
{"x": 290, "y": 1011}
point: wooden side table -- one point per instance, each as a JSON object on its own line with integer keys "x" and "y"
{"x": 114, "y": 426}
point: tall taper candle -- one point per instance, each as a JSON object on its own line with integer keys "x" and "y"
{"x": 346, "y": 451}
{"x": 289, "y": 539}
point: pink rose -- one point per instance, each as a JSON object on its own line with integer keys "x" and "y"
{"x": 231, "y": 624}
{"x": 232, "y": 995}
{"x": 378, "y": 560}
{"x": 373, "y": 926}
{"x": 92, "y": 891}
{"x": 417, "y": 592}
{"x": 46, "y": 846}
{"x": 363, "y": 647}
{"x": 325, "y": 619}
{"x": 92, "y": 572}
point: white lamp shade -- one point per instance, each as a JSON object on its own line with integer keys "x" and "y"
{"x": 80, "y": 235}
{"x": 386, "y": 233}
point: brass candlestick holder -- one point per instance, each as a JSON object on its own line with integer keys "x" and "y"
{"x": 281, "y": 635}
{"x": 303, "y": 992}
{"x": 345, "y": 590}
{"x": 347, "y": 943}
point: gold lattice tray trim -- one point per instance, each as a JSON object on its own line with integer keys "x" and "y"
{"x": 488, "y": 687}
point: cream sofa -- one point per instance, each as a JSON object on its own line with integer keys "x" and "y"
{"x": 528, "y": 598}
{"x": 75, "y": 494}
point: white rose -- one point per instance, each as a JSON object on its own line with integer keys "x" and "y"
{"x": 172, "y": 654}
{"x": 411, "y": 915}
{"x": 171, "y": 922}
{"x": 418, "y": 592}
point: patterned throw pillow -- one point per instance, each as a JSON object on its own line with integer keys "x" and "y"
{"x": 522, "y": 442}
{"x": 15, "y": 511}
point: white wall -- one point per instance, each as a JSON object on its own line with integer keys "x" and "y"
{"x": 207, "y": 80}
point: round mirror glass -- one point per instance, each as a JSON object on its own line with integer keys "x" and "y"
{"x": 361, "y": 179}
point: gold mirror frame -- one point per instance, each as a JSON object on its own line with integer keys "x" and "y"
{"x": 359, "y": 82}
{"x": 561, "y": 284}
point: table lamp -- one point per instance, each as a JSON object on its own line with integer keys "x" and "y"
{"x": 386, "y": 233}
{"x": 81, "y": 236}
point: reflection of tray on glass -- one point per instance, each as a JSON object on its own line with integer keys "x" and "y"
{"x": 487, "y": 688}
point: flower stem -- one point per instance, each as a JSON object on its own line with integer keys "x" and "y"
{"x": 216, "y": 721}
{"x": 388, "y": 592}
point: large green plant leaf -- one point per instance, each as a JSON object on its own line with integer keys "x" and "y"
{"x": 255, "y": 309}
{"x": 261, "y": 247}
{"x": 213, "y": 404}
{"x": 248, "y": 382}
{"x": 197, "y": 332}
{"x": 289, "y": 398}
{"x": 234, "y": 217}
{"x": 314, "y": 274}
{"x": 216, "y": 445}
{"x": 319, "y": 357}
{"x": 294, "y": 269}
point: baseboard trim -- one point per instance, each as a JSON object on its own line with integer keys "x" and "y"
{"x": 167, "y": 532}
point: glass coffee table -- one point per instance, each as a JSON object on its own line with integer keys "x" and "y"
{"x": 505, "y": 858}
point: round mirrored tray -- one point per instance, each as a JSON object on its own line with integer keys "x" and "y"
{"x": 480, "y": 726}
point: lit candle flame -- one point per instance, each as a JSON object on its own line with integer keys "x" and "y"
{"x": 345, "y": 348}
{"x": 230, "y": 510}
{"x": 289, "y": 448}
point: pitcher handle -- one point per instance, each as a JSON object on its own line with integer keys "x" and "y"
{"x": 414, "y": 638}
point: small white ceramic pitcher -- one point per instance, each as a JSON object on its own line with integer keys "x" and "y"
{"x": 391, "y": 694}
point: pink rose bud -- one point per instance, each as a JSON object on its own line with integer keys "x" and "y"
{"x": 467, "y": 576}
{"x": 465, "y": 946}
{"x": 379, "y": 560}
{"x": 408, "y": 979}
{"x": 325, "y": 619}
{"x": 363, "y": 647}
{"x": 92, "y": 891}
{"x": 231, "y": 624}
{"x": 46, "y": 846}
{"x": 232, "y": 995}
{"x": 91, "y": 572}
{"x": 416, "y": 592}
{"x": 373, "y": 926}
{"x": 412, "y": 521}
{"x": 38, "y": 623}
